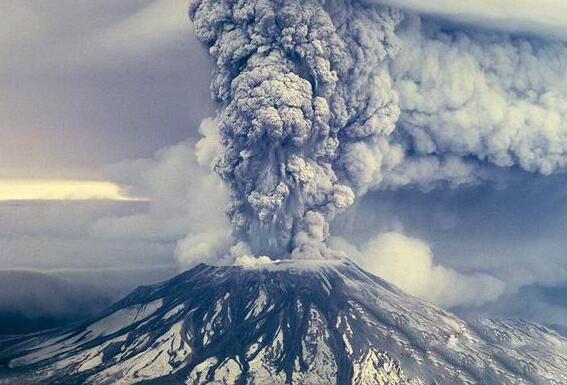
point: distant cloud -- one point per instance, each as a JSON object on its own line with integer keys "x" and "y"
{"x": 31, "y": 301}
{"x": 183, "y": 216}
{"x": 545, "y": 305}
{"x": 35, "y": 293}
{"x": 544, "y": 17}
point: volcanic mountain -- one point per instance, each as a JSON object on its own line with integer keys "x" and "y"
{"x": 288, "y": 322}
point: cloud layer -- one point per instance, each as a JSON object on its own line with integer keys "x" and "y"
{"x": 544, "y": 17}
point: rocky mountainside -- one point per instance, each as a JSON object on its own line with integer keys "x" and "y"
{"x": 290, "y": 322}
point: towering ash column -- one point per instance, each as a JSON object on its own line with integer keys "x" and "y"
{"x": 300, "y": 84}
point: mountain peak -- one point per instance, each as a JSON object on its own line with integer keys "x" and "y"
{"x": 285, "y": 322}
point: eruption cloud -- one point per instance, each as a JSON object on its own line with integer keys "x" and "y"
{"x": 297, "y": 93}
{"x": 321, "y": 101}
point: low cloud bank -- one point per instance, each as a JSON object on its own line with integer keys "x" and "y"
{"x": 31, "y": 301}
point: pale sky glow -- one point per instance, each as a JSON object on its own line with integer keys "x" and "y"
{"x": 46, "y": 189}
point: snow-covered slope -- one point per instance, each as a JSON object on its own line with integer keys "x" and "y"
{"x": 280, "y": 323}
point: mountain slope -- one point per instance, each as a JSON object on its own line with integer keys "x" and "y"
{"x": 307, "y": 322}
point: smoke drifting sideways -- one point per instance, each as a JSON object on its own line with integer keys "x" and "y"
{"x": 322, "y": 101}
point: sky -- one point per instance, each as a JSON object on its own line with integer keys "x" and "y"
{"x": 97, "y": 82}
{"x": 104, "y": 170}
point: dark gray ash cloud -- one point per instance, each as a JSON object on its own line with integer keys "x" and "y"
{"x": 320, "y": 102}
{"x": 295, "y": 100}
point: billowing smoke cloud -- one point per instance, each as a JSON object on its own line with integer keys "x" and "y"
{"x": 471, "y": 104}
{"x": 496, "y": 98}
{"x": 322, "y": 101}
{"x": 298, "y": 91}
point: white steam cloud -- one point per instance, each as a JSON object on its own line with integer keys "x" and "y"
{"x": 408, "y": 263}
{"x": 187, "y": 200}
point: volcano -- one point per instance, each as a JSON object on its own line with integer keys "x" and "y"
{"x": 287, "y": 322}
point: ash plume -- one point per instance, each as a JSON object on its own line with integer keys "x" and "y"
{"x": 299, "y": 86}
{"x": 321, "y": 101}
